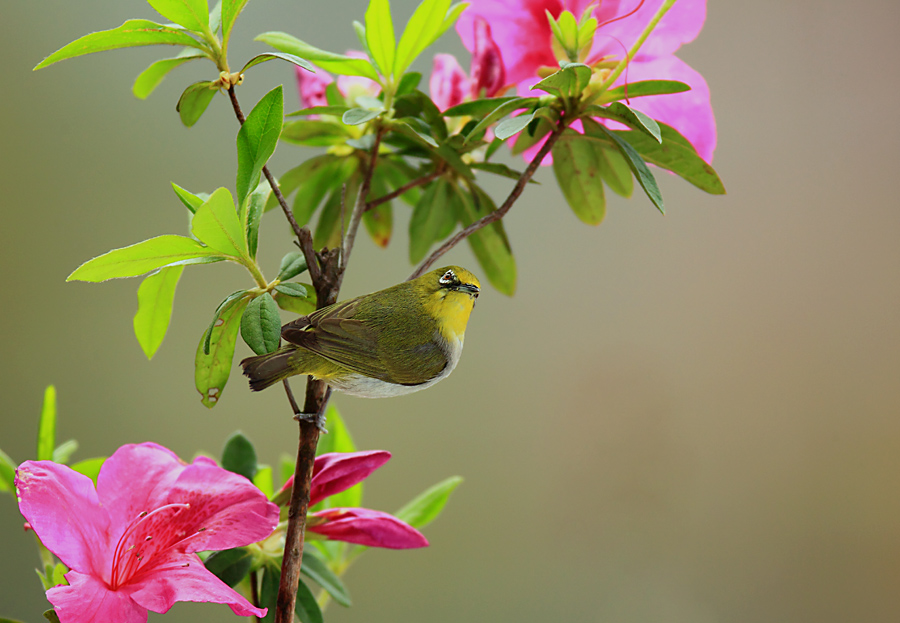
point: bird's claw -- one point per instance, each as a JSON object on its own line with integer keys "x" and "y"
{"x": 313, "y": 418}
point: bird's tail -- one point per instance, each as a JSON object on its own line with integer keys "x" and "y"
{"x": 266, "y": 370}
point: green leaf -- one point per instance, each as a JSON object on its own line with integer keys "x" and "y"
{"x": 302, "y": 306}
{"x": 676, "y": 155}
{"x": 307, "y": 608}
{"x": 417, "y": 103}
{"x": 215, "y": 321}
{"x": 422, "y": 29}
{"x": 51, "y": 615}
{"x": 7, "y": 473}
{"x": 316, "y": 569}
{"x": 155, "y": 297}
{"x": 145, "y": 257}
{"x": 47, "y": 428}
{"x": 489, "y": 244}
{"x": 64, "y": 451}
{"x": 356, "y": 116}
{"x": 268, "y": 592}
{"x": 194, "y": 101}
{"x": 643, "y": 88}
{"x": 408, "y": 83}
{"x": 133, "y": 33}
{"x": 379, "y": 221}
{"x": 569, "y": 81}
{"x": 638, "y": 167}
{"x": 334, "y": 111}
{"x": 537, "y": 130}
{"x": 261, "y": 325}
{"x": 263, "y": 480}
{"x": 90, "y": 467}
{"x": 634, "y": 119}
{"x": 230, "y": 565}
{"x": 338, "y": 438}
{"x": 257, "y": 139}
{"x": 216, "y": 225}
{"x": 334, "y": 216}
{"x": 576, "y": 163}
{"x": 192, "y": 14}
{"x": 251, "y": 214}
{"x": 499, "y": 169}
{"x": 380, "y": 35}
{"x": 452, "y": 14}
{"x": 239, "y": 456}
{"x": 230, "y": 11}
{"x": 477, "y": 108}
{"x": 334, "y": 63}
{"x": 268, "y": 56}
{"x": 512, "y": 126}
{"x": 406, "y": 129}
{"x": 425, "y": 508}
{"x": 150, "y": 78}
{"x": 292, "y": 265}
{"x": 189, "y": 199}
{"x": 58, "y": 577}
{"x": 615, "y": 171}
{"x": 215, "y": 18}
{"x": 212, "y": 364}
{"x": 292, "y": 289}
{"x": 499, "y": 112}
{"x": 315, "y": 132}
{"x": 432, "y": 219}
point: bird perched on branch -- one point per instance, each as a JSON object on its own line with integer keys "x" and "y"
{"x": 389, "y": 343}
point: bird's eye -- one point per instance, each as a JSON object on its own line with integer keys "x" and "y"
{"x": 448, "y": 278}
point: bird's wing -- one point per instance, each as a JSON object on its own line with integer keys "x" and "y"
{"x": 338, "y": 334}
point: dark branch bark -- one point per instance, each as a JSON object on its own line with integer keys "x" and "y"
{"x": 500, "y": 212}
{"x": 419, "y": 181}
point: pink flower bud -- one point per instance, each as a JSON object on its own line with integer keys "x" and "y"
{"x": 449, "y": 85}
{"x": 488, "y": 74}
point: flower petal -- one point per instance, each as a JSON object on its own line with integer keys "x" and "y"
{"x": 87, "y": 599}
{"x": 311, "y": 87}
{"x": 136, "y": 479}
{"x": 487, "y": 71}
{"x": 338, "y": 471}
{"x": 449, "y": 84}
{"x": 183, "y": 577}
{"x": 690, "y": 112}
{"x": 226, "y": 510}
{"x": 364, "y": 526}
{"x": 61, "y": 506}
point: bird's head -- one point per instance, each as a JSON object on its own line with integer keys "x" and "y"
{"x": 449, "y": 295}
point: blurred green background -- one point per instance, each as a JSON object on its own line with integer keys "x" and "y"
{"x": 690, "y": 418}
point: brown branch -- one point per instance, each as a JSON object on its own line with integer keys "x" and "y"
{"x": 254, "y": 592}
{"x": 302, "y": 233}
{"x": 500, "y": 212}
{"x": 360, "y": 206}
{"x": 419, "y": 181}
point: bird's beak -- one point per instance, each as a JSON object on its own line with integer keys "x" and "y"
{"x": 468, "y": 287}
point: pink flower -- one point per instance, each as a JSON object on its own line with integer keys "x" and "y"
{"x": 311, "y": 87}
{"x": 130, "y": 541}
{"x": 335, "y": 472}
{"x": 449, "y": 84}
{"x": 522, "y": 32}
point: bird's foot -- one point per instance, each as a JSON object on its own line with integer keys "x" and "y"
{"x": 313, "y": 418}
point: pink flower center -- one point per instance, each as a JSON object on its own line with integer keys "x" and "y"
{"x": 146, "y": 540}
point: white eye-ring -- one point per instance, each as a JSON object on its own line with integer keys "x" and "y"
{"x": 448, "y": 278}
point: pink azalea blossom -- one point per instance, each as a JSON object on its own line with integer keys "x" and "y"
{"x": 449, "y": 84}
{"x": 131, "y": 541}
{"x": 522, "y": 32}
{"x": 311, "y": 86}
{"x": 335, "y": 472}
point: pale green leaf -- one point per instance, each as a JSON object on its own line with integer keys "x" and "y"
{"x": 257, "y": 139}
{"x": 194, "y": 101}
{"x": 334, "y": 63}
{"x": 213, "y": 367}
{"x": 230, "y": 11}
{"x": 192, "y": 14}
{"x": 89, "y": 467}
{"x": 155, "y": 297}
{"x": 261, "y": 325}
{"x": 576, "y": 163}
{"x": 133, "y": 33}
{"x": 425, "y": 508}
{"x": 145, "y": 257}
{"x": 47, "y": 428}
{"x": 7, "y": 473}
{"x": 150, "y": 78}
{"x": 380, "y": 35}
{"x": 316, "y": 569}
{"x": 64, "y": 451}
{"x": 268, "y": 56}
{"x": 216, "y": 224}
{"x": 421, "y": 30}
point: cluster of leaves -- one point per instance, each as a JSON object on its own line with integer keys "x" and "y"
{"x": 261, "y": 562}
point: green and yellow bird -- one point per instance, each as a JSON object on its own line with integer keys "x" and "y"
{"x": 389, "y": 343}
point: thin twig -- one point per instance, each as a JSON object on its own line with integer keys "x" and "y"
{"x": 305, "y": 241}
{"x": 360, "y": 205}
{"x": 254, "y": 592}
{"x": 419, "y": 181}
{"x": 500, "y": 212}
